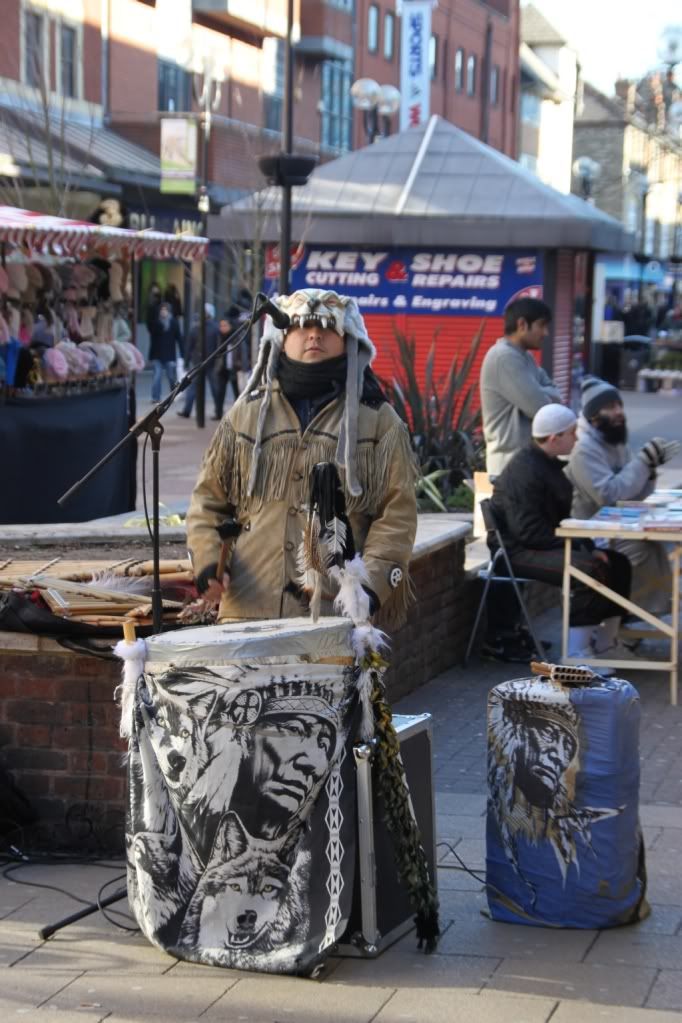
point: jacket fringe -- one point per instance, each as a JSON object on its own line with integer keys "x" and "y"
{"x": 393, "y": 613}
{"x": 229, "y": 458}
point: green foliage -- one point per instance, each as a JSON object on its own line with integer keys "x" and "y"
{"x": 445, "y": 429}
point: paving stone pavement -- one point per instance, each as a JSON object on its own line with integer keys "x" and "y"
{"x": 482, "y": 971}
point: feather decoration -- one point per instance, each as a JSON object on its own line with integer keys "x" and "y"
{"x": 333, "y": 541}
{"x": 123, "y": 583}
{"x": 133, "y": 656}
{"x": 352, "y": 600}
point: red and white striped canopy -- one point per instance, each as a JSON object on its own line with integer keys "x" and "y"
{"x": 40, "y": 234}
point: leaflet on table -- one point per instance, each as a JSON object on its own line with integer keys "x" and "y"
{"x": 596, "y": 524}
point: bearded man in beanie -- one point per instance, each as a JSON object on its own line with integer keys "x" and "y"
{"x": 311, "y": 398}
{"x": 604, "y": 470}
{"x": 530, "y": 498}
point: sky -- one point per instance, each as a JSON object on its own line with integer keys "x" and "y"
{"x": 613, "y": 38}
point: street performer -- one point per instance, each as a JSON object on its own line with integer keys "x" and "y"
{"x": 311, "y": 398}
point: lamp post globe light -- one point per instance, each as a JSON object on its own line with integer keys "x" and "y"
{"x": 375, "y": 101}
{"x": 587, "y": 171}
{"x": 208, "y": 74}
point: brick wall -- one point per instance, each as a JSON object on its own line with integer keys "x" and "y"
{"x": 59, "y": 723}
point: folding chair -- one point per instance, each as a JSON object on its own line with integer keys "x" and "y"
{"x": 490, "y": 575}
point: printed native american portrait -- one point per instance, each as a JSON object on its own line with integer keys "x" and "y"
{"x": 534, "y": 747}
{"x": 236, "y": 781}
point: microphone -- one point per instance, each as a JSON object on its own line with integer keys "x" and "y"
{"x": 280, "y": 319}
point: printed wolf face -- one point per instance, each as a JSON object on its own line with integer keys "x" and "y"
{"x": 244, "y": 896}
{"x": 178, "y": 736}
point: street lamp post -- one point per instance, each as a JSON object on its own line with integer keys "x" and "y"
{"x": 286, "y": 169}
{"x": 376, "y": 102}
{"x": 641, "y": 187}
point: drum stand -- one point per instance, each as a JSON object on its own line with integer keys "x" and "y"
{"x": 151, "y": 425}
{"x": 47, "y": 932}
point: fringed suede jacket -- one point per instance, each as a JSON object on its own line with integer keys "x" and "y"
{"x": 264, "y": 574}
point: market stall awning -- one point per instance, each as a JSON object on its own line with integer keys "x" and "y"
{"x": 40, "y": 234}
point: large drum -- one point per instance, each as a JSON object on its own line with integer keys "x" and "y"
{"x": 564, "y": 844}
{"x": 240, "y": 832}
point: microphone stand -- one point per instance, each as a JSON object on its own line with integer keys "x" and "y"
{"x": 151, "y": 425}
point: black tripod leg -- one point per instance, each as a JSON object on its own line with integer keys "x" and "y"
{"x": 47, "y": 932}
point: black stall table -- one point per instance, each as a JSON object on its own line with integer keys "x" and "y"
{"x": 49, "y": 442}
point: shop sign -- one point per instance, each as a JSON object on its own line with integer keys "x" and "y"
{"x": 415, "y": 69}
{"x": 458, "y": 281}
{"x": 178, "y": 155}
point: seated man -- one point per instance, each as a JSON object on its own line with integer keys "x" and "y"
{"x": 530, "y": 498}
{"x": 603, "y": 471}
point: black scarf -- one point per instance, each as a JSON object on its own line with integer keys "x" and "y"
{"x": 300, "y": 380}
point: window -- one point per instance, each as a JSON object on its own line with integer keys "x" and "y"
{"x": 459, "y": 70}
{"x": 389, "y": 35}
{"x": 335, "y": 105}
{"x": 175, "y": 89}
{"x": 34, "y": 27}
{"x": 433, "y": 57}
{"x": 494, "y": 85}
{"x": 372, "y": 28}
{"x": 273, "y": 82}
{"x": 68, "y": 43}
{"x": 471, "y": 75}
{"x": 530, "y": 108}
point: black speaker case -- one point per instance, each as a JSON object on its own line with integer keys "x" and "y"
{"x": 381, "y": 912}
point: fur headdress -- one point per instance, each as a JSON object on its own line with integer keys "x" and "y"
{"x": 336, "y": 312}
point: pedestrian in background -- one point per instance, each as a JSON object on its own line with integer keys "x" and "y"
{"x": 230, "y": 364}
{"x": 193, "y": 355}
{"x": 513, "y": 386}
{"x": 165, "y": 346}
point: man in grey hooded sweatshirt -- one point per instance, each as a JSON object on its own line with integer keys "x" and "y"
{"x": 604, "y": 470}
{"x": 513, "y": 386}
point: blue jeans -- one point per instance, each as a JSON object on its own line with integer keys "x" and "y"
{"x": 217, "y": 392}
{"x": 159, "y": 368}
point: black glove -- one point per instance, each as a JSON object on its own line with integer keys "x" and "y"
{"x": 205, "y": 577}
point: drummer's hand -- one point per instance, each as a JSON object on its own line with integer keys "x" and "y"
{"x": 600, "y": 556}
{"x": 215, "y": 589}
{"x": 210, "y": 588}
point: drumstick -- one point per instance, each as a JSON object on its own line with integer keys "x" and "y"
{"x": 228, "y": 531}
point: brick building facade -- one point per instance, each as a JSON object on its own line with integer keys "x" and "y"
{"x": 121, "y": 64}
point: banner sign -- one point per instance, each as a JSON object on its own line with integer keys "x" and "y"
{"x": 457, "y": 281}
{"x": 415, "y": 69}
{"x": 178, "y": 155}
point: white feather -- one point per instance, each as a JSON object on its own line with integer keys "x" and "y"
{"x": 133, "y": 656}
{"x": 352, "y": 600}
{"x": 334, "y": 539}
{"x": 366, "y": 639}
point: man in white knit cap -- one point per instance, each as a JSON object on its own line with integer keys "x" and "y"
{"x": 530, "y": 498}
{"x": 311, "y": 398}
{"x": 604, "y": 470}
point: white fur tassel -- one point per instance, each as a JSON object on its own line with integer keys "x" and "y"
{"x": 352, "y": 600}
{"x": 133, "y": 656}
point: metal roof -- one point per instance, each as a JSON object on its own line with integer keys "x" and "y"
{"x": 85, "y": 148}
{"x": 537, "y": 31}
{"x": 433, "y": 185}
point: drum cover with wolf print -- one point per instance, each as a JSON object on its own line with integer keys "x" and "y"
{"x": 240, "y": 832}
{"x": 564, "y": 844}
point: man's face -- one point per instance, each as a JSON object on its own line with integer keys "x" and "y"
{"x": 313, "y": 343}
{"x": 531, "y": 335}
{"x": 544, "y": 758}
{"x": 611, "y": 423}
{"x": 224, "y": 326}
{"x": 291, "y": 756}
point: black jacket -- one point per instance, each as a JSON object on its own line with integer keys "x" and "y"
{"x": 530, "y": 498}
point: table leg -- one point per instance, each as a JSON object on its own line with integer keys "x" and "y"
{"x": 566, "y": 599}
{"x": 674, "y": 642}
